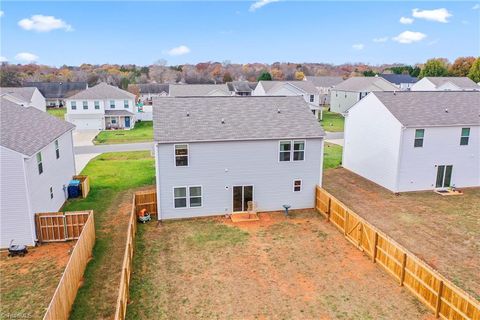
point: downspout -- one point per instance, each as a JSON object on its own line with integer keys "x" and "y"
{"x": 157, "y": 181}
{"x": 400, "y": 146}
{"x": 31, "y": 215}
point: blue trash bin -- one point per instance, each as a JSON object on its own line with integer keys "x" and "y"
{"x": 74, "y": 189}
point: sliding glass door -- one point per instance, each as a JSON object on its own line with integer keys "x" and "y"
{"x": 444, "y": 176}
{"x": 241, "y": 196}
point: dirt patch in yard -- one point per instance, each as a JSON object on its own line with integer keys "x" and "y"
{"x": 442, "y": 230}
{"x": 276, "y": 268}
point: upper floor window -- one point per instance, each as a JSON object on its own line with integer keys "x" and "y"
{"x": 97, "y": 105}
{"x": 125, "y": 104}
{"x": 85, "y": 105}
{"x": 312, "y": 98}
{"x": 57, "y": 149}
{"x": 181, "y": 155}
{"x": 73, "y": 105}
{"x": 112, "y": 104}
{"x": 39, "y": 163}
{"x": 51, "y": 193}
{"x": 285, "y": 149}
{"x": 287, "y": 153}
{"x": 465, "y": 136}
{"x": 419, "y": 135}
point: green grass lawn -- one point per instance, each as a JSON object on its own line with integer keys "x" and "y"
{"x": 332, "y": 121}
{"x": 142, "y": 132}
{"x": 113, "y": 178}
{"x": 57, "y": 112}
{"x": 332, "y": 156}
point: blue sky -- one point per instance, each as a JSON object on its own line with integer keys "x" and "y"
{"x": 57, "y": 33}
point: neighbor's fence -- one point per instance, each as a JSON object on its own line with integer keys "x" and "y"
{"x": 59, "y": 226}
{"x": 64, "y": 296}
{"x": 445, "y": 299}
{"x": 84, "y": 184}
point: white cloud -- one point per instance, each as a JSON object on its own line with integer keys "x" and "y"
{"x": 409, "y": 37}
{"x": 178, "y": 51}
{"x": 26, "y": 57}
{"x": 476, "y": 7}
{"x": 41, "y": 23}
{"x": 260, "y": 3}
{"x": 2, "y": 13}
{"x": 3, "y": 59}
{"x": 405, "y": 20}
{"x": 380, "y": 40}
{"x": 358, "y": 46}
{"x": 438, "y": 15}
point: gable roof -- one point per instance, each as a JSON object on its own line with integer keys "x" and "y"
{"x": 245, "y": 118}
{"x": 324, "y": 82}
{"x": 398, "y": 78}
{"x": 154, "y": 88}
{"x": 271, "y": 86}
{"x": 429, "y": 108}
{"x": 192, "y": 90}
{"x": 365, "y": 84}
{"x": 461, "y": 82}
{"x": 241, "y": 86}
{"x": 20, "y": 93}
{"x": 103, "y": 91}
{"x": 58, "y": 90}
{"x": 28, "y": 130}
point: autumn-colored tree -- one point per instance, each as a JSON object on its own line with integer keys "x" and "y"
{"x": 216, "y": 72}
{"x": 299, "y": 75}
{"x": 461, "y": 66}
{"x": 277, "y": 74}
{"x": 474, "y": 72}
{"x": 227, "y": 77}
{"x": 265, "y": 76}
{"x": 434, "y": 68}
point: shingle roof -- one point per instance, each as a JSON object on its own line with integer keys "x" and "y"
{"x": 365, "y": 84}
{"x": 192, "y": 90}
{"x": 103, "y": 91}
{"x": 398, "y": 78}
{"x": 270, "y": 86}
{"x": 461, "y": 82}
{"x": 58, "y": 90}
{"x": 118, "y": 113}
{"x": 324, "y": 82}
{"x": 241, "y": 86}
{"x": 28, "y": 130}
{"x": 151, "y": 87}
{"x": 21, "y": 93}
{"x": 245, "y": 118}
{"x": 428, "y": 108}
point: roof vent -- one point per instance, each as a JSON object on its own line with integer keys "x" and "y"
{"x": 446, "y": 110}
{"x": 188, "y": 114}
{"x": 223, "y": 121}
{"x": 394, "y": 92}
{"x": 278, "y": 110}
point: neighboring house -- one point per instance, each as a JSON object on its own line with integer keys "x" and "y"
{"x": 216, "y": 154}
{"x": 26, "y": 96}
{"x": 409, "y": 141}
{"x": 150, "y": 90}
{"x": 55, "y": 93}
{"x": 324, "y": 85}
{"x": 291, "y": 88}
{"x": 445, "y": 83}
{"x": 36, "y": 165}
{"x": 101, "y": 107}
{"x": 241, "y": 88}
{"x": 197, "y": 90}
{"x": 402, "y": 81}
{"x": 344, "y": 95}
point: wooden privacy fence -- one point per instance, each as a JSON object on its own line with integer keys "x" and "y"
{"x": 60, "y": 226}
{"x": 84, "y": 184}
{"x": 64, "y": 296}
{"x": 445, "y": 299}
{"x": 146, "y": 200}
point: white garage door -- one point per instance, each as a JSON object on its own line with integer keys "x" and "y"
{"x": 87, "y": 124}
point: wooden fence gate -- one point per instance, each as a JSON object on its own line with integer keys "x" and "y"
{"x": 60, "y": 226}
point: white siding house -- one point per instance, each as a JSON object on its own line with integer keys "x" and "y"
{"x": 402, "y": 81}
{"x": 196, "y": 90}
{"x": 36, "y": 164}
{"x": 25, "y": 96}
{"x": 411, "y": 141}
{"x": 324, "y": 85}
{"x": 445, "y": 84}
{"x": 101, "y": 107}
{"x": 215, "y": 154}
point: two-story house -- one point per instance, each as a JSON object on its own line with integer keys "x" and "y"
{"x": 241, "y": 88}
{"x": 214, "y": 155}
{"x": 55, "y": 93}
{"x": 324, "y": 85}
{"x": 194, "y": 90}
{"x": 101, "y": 107}
{"x": 25, "y": 96}
{"x": 36, "y": 165}
{"x": 402, "y": 81}
{"x": 445, "y": 84}
{"x": 409, "y": 141}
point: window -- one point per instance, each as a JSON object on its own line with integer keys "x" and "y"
{"x": 312, "y": 98}
{"x": 297, "y": 185}
{"x": 97, "y": 105}
{"x": 180, "y": 197}
{"x": 465, "y": 136}
{"x": 112, "y": 104}
{"x": 285, "y": 149}
{"x": 298, "y": 150}
{"x": 286, "y": 153}
{"x": 73, "y": 105}
{"x": 51, "y": 193}
{"x": 125, "y": 104}
{"x": 195, "y": 194}
{"x": 57, "y": 149}
{"x": 419, "y": 135}
{"x": 39, "y": 163}
{"x": 192, "y": 193}
{"x": 85, "y": 105}
{"x": 181, "y": 155}
{"x": 113, "y": 121}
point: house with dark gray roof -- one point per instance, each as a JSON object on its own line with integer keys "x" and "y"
{"x": 445, "y": 84}
{"x": 402, "y": 81}
{"x": 102, "y": 107}
{"x": 55, "y": 93}
{"x": 147, "y": 91}
{"x": 37, "y": 163}
{"x": 224, "y": 155}
{"x": 415, "y": 140}
{"x": 24, "y": 96}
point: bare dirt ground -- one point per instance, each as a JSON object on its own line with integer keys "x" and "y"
{"x": 442, "y": 230}
{"x": 27, "y": 284}
{"x": 276, "y": 268}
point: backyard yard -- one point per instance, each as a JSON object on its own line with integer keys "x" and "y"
{"x": 332, "y": 121}
{"x": 142, "y": 132}
{"x": 442, "y": 230}
{"x": 57, "y": 112}
{"x": 332, "y": 155}
{"x": 278, "y": 268}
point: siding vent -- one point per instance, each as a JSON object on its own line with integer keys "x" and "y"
{"x": 223, "y": 121}
{"x": 278, "y": 110}
{"x": 446, "y": 110}
{"x": 188, "y": 114}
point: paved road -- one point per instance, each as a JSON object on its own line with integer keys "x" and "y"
{"x": 143, "y": 146}
{"x": 334, "y": 135}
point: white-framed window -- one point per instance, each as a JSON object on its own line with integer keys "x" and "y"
{"x": 112, "y": 104}
{"x": 113, "y": 121}
{"x": 180, "y": 197}
{"x": 51, "y": 193}
{"x": 85, "y": 105}
{"x": 125, "y": 104}
{"x": 312, "y": 98}
{"x": 465, "y": 136}
{"x": 57, "y": 149}
{"x": 181, "y": 155}
{"x": 292, "y": 150}
{"x": 73, "y": 105}
{"x": 297, "y": 185}
{"x": 285, "y": 150}
{"x": 97, "y": 105}
{"x": 195, "y": 196}
{"x": 419, "y": 135}
{"x": 298, "y": 150}
{"x": 39, "y": 163}
{"x": 187, "y": 197}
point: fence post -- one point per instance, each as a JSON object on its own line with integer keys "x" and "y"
{"x": 404, "y": 264}
{"x": 65, "y": 227}
{"x": 375, "y": 244}
{"x": 345, "y": 223}
{"x": 328, "y": 208}
{"x": 439, "y": 299}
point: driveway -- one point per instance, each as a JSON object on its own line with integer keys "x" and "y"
{"x": 84, "y": 137}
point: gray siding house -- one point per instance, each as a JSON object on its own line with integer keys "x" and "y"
{"x": 36, "y": 163}
{"x": 215, "y": 154}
